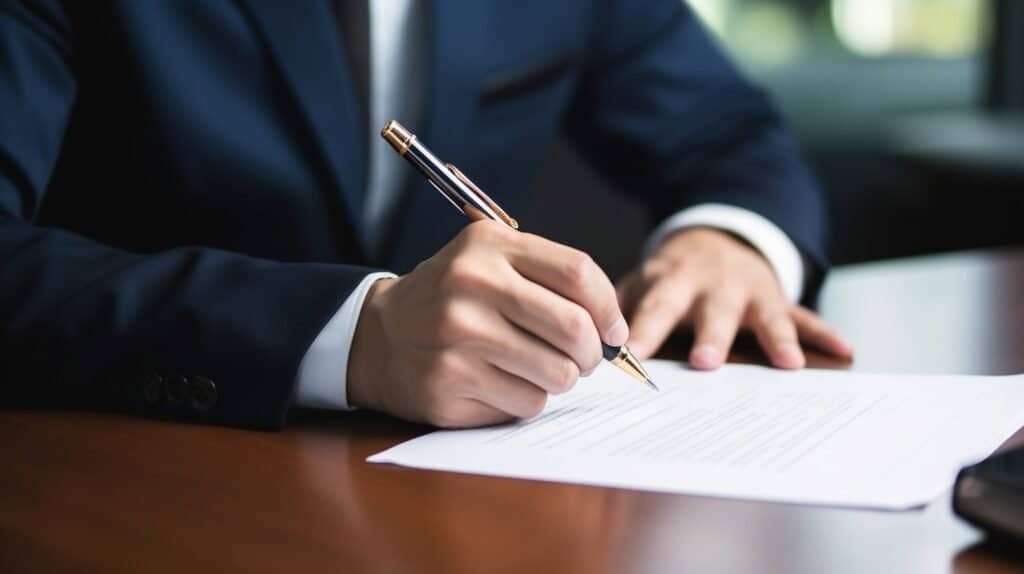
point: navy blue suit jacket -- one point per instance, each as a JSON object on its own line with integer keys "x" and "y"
{"x": 180, "y": 181}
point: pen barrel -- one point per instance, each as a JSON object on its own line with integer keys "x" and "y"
{"x": 430, "y": 166}
{"x": 445, "y": 181}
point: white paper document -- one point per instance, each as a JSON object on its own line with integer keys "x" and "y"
{"x": 812, "y": 436}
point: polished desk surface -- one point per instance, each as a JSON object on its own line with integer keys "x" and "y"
{"x": 93, "y": 492}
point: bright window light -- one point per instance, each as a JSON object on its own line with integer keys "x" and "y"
{"x": 712, "y": 12}
{"x": 866, "y": 27}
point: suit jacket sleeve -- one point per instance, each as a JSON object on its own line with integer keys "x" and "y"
{"x": 189, "y": 333}
{"x": 665, "y": 115}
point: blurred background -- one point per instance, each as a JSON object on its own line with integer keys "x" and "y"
{"x": 908, "y": 111}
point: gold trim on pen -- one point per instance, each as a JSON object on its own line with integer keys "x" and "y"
{"x": 400, "y": 138}
{"x": 505, "y": 218}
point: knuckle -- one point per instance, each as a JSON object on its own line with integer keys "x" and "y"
{"x": 463, "y": 276}
{"x": 454, "y": 326}
{"x": 576, "y": 324}
{"x": 454, "y": 277}
{"x": 438, "y": 373}
{"x": 488, "y": 232}
{"x": 579, "y": 268}
{"x": 534, "y": 403}
{"x": 564, "y": 376}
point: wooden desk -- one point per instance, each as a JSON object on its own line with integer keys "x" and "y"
{"x": 90, "y": 492}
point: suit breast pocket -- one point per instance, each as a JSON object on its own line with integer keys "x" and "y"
{"x": 524, "y": 101}
{"x": 509, "y": 85}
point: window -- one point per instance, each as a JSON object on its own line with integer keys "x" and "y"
{"x": 764, "y": 34}
{"x": 851, "y": 76}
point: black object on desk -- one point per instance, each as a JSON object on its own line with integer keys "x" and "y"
{"x": 990, "y": 495}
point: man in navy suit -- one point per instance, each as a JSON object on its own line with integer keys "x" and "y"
{"x": 197, "y": 222}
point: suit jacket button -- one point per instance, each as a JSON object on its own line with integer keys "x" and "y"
{"x": 152, "y": 388}
{"x": 204, "y": 393}
{"x": 176, "y": 390}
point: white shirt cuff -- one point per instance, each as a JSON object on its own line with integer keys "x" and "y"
{"x": 765, "y": 236}
{"x": 323, "y": 372}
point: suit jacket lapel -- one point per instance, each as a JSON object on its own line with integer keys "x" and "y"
{"x": 304, "y": 40}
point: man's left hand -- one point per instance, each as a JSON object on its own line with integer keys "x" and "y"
{"x": 718, "y": 284}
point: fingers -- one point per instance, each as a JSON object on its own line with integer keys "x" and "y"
{"x": 573, "y": 275}
{"x": 508, "y": 393}
{"x": 657, "y": 313}
{"x": 716, "y": 321}
{"x": 561, "y": 323}
{"x": 776, "y": 334}
{"x": 466, "y": 413}
{"x": 530, "y": 359}
{"x": 465, "y": 390}
{"x": 813, "y": 330}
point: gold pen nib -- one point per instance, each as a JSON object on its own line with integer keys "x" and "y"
{"x": 629, "y": 363}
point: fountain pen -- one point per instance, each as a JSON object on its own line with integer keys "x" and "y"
{"x": 475, "y": 204}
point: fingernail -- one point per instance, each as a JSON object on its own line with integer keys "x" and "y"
{"x": 618, "y": 333}
{"x": 789, "y": 356}
{"x": 705, "y": 357}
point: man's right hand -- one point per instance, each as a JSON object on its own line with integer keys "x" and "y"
{"x": 481, "y": 332}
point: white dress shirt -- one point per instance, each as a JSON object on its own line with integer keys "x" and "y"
{"x": 321, "y": 380}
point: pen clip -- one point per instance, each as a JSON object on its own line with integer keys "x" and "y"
{"x": 464, "y": 207}
{"x": 505, "y": 218}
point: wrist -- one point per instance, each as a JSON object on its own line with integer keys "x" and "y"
{"x": 749, "y": 229}
{"x": 689, "y": 239}
{"x": 369, "y": 344}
